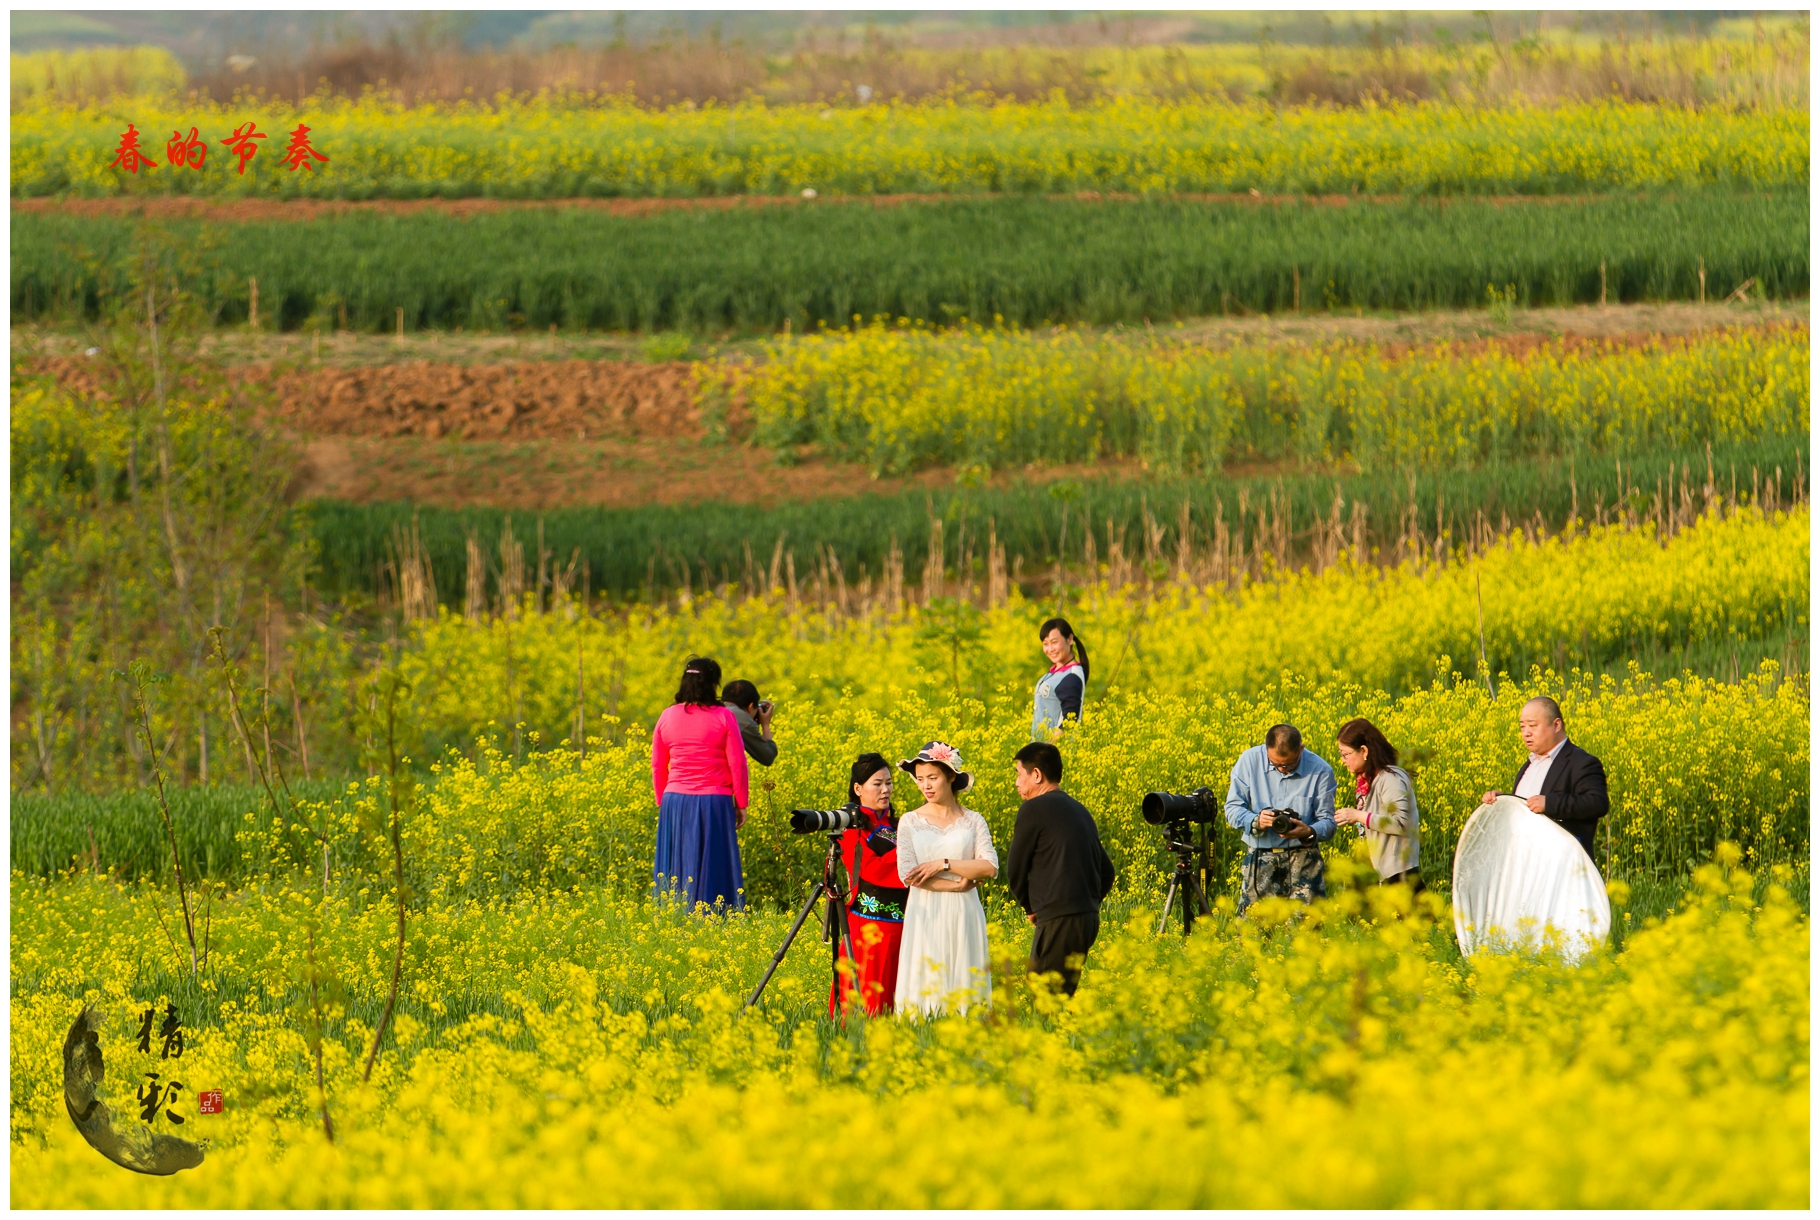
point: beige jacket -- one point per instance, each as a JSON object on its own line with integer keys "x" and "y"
{"x": 1392, "y": 826}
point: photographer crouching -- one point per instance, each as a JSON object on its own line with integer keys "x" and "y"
{"x": 754, "y": 716}
{"x": 1281, "y": 802}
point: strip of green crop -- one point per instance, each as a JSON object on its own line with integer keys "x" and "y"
{"x": 656, "y": 548}
{"x": 552, "y": 150}
{"x": 124, "y": 830}
{"x": 1023, "y": 260}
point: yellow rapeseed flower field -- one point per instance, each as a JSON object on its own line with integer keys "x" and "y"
{"x": 1605, "y": 590}
{"x": 1216, "y": 667}
{"x": 490, "y": 826}
{"x": 898, "y": 398}
{"x": 593, "y": 146}
{"x": 570, "y": 1049}
{"x": 560, "y": 1040}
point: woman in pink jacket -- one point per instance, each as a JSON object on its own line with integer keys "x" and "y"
{"x": 698, "y": 770}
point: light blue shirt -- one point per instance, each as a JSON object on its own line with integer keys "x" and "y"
{"x": 1256, "y": 786}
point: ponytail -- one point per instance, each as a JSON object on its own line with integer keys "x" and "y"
{"x": 700, "y": 685}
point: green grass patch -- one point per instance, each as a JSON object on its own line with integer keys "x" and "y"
{"x": 124, "y": 831}
{"x": 1024, "y": 260}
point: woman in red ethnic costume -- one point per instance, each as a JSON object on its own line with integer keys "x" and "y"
{"x": 875, "y": 915}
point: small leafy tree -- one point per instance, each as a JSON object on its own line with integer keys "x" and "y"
{"x": 950, "y": 629}
{"x": 148, "y": 509}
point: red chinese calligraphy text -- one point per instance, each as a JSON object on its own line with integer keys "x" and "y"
{"x": 241, "y": 144}
{"x": 298, "y": 155}
{"x": 190, "y": 151}
{"x": 129, "y": 158}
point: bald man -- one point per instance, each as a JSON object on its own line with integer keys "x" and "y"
{"x": 1560, "y": 781}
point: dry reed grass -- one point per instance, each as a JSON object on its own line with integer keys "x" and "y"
{"x": 1258, "y": 543}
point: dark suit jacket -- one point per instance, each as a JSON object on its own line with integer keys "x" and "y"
{"x": 1056, "y": 864}
{"x": 1574, "y": 792}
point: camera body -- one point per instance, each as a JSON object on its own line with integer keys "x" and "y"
{"x": 1279, "y": 820}
{"x": 826, "y": 821}
{"x": 1161, "y": 808}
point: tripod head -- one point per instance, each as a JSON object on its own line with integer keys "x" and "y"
{"x": 1178, "y": 837}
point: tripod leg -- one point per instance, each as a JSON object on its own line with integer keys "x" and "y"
{"x": 837, "y": 910}
{"x": 1189, "y": 892}
{"x": 777, "y": 960}
{"x": 1200, "y": 896}
{"x": 1163, "y": 923}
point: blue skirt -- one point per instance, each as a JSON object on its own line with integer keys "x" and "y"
{"x": 698, "y": 850}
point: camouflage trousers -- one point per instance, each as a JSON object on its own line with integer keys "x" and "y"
{"x": 1294, "y": 872}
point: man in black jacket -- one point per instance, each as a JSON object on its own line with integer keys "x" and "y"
{"x": 1560, "y": 781}
{"x": 1057, "y": 868}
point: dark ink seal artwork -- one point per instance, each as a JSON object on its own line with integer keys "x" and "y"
{"x": 136, "y": 1147}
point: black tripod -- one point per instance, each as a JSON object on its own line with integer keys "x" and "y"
{"x": 834, "y": 919}
{"x": 1181, "y": 841}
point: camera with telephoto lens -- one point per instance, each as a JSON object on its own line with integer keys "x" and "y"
{"x": 1196, "y": 806}
{"x": 826, "y": 821}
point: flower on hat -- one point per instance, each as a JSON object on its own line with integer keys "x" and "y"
{"x": 942, "y": 752}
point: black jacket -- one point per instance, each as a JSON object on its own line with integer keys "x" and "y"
{"x": 1056, "y": 865}
{"x": 1574, "y": 792}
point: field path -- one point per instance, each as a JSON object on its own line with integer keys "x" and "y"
{"x": 195, "y": 207}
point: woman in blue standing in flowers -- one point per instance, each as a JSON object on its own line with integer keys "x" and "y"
{"x": 698, "y": 770}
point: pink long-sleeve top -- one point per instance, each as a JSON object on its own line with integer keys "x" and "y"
{"x": 698, "y": 751}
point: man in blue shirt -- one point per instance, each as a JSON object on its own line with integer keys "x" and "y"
{"x": 1281, "y": 802}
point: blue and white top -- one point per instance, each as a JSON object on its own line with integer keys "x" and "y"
{"x": 1058, "y": 695}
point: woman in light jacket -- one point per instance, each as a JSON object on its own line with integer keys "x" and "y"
{"x": 1062, "y": 689}
{"x": 1386, "y": 814}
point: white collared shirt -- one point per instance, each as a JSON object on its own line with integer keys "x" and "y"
{"x": 1531, "y": 783}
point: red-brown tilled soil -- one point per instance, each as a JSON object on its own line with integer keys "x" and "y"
{"x": 571, "y": 398}
{"x": 524, "y": 400}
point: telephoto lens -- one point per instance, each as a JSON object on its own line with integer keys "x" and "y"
{"x": 1164, "y": 807}
{"x": 824, "y": 821}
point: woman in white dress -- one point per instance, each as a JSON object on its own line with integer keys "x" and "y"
{"x": 943, "y": 852}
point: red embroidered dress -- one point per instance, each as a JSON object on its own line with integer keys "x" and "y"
{"x": 875, "y": 919}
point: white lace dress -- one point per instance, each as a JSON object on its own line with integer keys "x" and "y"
{"x": 943, "y": 963}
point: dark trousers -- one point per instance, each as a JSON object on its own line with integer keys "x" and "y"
{"x": 1583, "y": 831}
{"x": 1058, "y": 939}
